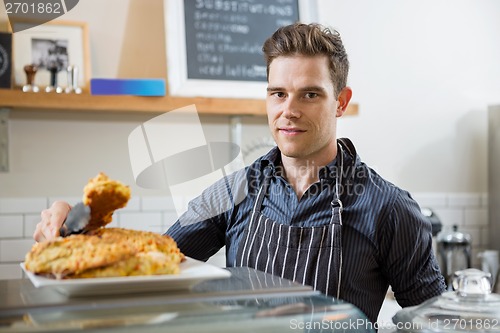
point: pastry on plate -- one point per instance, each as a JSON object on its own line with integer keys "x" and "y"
{"x": 105, "y": 252}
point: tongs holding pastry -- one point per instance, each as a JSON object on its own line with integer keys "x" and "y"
{"x": 77, "y": 220}
{"x": 101, "y": 197}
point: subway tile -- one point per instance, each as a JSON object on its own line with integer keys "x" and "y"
{"x": 72, "y": 200}
{"x": 430, "y": 200}
{"x": 485, "y": 236}
{"x": 475, "y": 260}
{"x": 476, "y": 217}
{"x": 22, "y": 205}
{"x": 141, "y": 221}
{"x": 483, "y": 232}
{"x": 30, "y": 222}
{"x": 11, "y": 226}
{"x": 158, "y": 229}
{"x": 180, "y": 202}
{"x": 169, "y": 218}
{"x": 484, "y": 200}
{"x": 133, "y": 205}
{"x": 158, "y": 203}
{"x": 10, "y": 271}
{"x": 450, "y": 216}
{"x": 14, "y": 249}
{"x": 476, "y": 235}
{"x": 464, "y": 200}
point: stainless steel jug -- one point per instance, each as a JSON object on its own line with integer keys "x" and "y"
{"x": 454, "y": 253}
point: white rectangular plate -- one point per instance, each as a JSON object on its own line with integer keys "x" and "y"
{"x": 192, "y": 272}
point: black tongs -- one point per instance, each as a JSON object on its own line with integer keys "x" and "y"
{"x": 76, "y": 221}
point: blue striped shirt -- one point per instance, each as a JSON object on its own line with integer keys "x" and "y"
{"x": 385, "y": 238}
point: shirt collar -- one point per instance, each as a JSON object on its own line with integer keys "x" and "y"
{"x": 273, "y": 159}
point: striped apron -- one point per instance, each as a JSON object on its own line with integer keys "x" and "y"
{"x": 307, "y": 255}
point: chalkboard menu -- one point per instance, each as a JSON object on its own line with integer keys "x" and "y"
{"x": 224, "y": 37}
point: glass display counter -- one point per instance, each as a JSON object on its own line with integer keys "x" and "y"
{"x": 247, "y": 301}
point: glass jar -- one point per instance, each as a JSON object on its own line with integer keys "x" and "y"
{"x": 471, "y": 307}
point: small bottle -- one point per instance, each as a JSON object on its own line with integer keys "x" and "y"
{"x": 72, "y": 80}
{"x": 54, "y": 87}
{"x": 30, "y": 85}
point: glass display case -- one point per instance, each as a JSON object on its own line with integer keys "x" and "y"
{"x": 247, "y": 301}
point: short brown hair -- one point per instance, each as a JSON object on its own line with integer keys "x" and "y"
{"x": 310, "y": 40}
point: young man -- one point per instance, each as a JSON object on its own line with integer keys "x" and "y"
{"x": 313, "y": 212}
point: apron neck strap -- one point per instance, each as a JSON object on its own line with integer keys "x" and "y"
{"x": 336, "y": 203}
{"x": 268, "y": 170}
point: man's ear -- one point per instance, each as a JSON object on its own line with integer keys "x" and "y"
{"x": 343, "y": 99}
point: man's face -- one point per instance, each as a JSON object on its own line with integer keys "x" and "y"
{"x": 301, "y": 106}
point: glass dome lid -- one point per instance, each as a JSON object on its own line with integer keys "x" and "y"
{"x": 471, "y": 307}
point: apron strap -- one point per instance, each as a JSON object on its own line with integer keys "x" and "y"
{"x": 263, "y": 189}
{"x": 347, "y": 144}
{"x": 256, "y": 209}
{"x": 336, "y": 203}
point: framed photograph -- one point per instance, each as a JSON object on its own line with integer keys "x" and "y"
{"x": 214, "y": 49}
{"x": 64, "y": 43}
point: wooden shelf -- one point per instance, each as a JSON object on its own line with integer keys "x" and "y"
{"x": 16, "y": 99}
{"x": 124, "y": 103}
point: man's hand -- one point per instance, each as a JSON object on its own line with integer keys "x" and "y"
{"x": 52, "y": 220}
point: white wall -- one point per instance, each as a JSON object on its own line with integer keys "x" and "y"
{"x": 423, "y": 73}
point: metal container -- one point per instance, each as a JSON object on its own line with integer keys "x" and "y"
{"x": 454, "y": 253}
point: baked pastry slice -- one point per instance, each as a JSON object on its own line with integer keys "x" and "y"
{"x": 105, "y": 252}
{"x": 62, "y": 257}
{"x": 104, "y": 195}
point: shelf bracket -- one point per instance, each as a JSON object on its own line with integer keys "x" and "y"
{"x": 235, "y": 126}
{"x": 4, "y": 139}
{"x": 235, "y": 134}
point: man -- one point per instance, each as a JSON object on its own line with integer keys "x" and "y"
{"x": 313, "y": 212}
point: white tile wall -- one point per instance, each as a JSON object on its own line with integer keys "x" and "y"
{"x": 468, "y": 211}
{"x": 158, "y": 204}
{"x": 14, "y": 250}
{"x": 11, "y": 226}
{"x": 148, "y": 221}
{"x": 431, "y": 200}
{"x": 19, "y": 216}
{"x": 464, "y": 200}
{"x": 22, "y": 205}
{"x": 71, "y": 200}
{"x": 30, "y": 222}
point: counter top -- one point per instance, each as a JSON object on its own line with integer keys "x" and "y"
{"x": 18, "y": 296}
{"x": 248, "y": 301}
